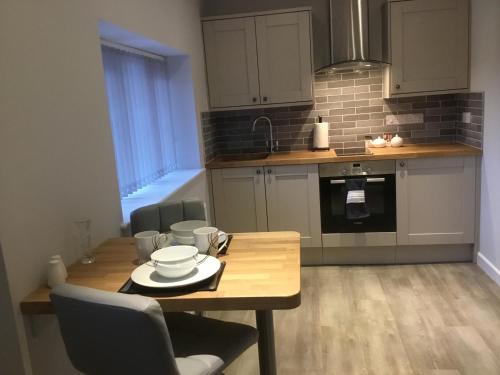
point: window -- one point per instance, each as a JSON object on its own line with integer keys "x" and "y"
{"x": 138, "y": 97}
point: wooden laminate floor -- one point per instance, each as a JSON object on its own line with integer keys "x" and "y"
{"x": 440, "y": 319}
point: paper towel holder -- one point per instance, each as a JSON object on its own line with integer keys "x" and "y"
{"x": 320, "y": 136}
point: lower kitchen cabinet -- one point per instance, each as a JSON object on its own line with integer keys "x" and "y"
{"x": 274, "y": 198}
{"x": 240, "y": 199}
{"x": 436, "y": 200}
{"x": 292, "y": 193}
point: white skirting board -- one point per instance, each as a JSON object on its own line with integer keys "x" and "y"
{"x": 488, "y": 267}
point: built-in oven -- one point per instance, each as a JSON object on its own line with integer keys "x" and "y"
{"x": 379, "y": 195}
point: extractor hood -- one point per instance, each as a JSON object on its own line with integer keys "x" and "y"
{"x": 358, "y": 34}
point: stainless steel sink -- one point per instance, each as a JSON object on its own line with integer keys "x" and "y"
{"x": 244, "y": 157}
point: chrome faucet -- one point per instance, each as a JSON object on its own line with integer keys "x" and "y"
{"x": 270, "y": 143}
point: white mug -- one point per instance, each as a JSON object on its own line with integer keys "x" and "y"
{"x": 148, "y": 241}
{"x": 206, "y": 239}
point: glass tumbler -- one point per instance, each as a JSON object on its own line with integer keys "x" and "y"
{"x": 82, "y": 240}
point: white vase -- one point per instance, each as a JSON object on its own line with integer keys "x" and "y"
{"x": 56, "y": 274}
{"x": 61, "y": 264}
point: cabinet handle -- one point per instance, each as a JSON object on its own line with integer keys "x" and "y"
{"x": 269, "y": 171}
{"x": 398, "y": 86}
{"x": 264, "y": 98}
{"x": 258, "y": 171}
{"x": 402, "y": 164}
{"x": 254, "y": 99}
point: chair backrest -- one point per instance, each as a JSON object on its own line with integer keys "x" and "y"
{"x": 112, "y": 333}
{"x": 161, "y": 216}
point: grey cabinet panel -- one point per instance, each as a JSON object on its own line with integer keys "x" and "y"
{"x": 429, "y": 46}
{"x": 436, "y": 200}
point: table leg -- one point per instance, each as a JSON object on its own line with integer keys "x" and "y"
{"x": 267, "y": 353}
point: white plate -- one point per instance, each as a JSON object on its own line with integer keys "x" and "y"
{"x": 146, "y": 275}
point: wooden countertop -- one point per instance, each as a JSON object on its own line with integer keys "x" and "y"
{"x": 262, "y": 273}
{"x": 319, "y": 157}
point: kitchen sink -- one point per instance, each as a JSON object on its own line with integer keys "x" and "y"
{"x": 244, "y": 157}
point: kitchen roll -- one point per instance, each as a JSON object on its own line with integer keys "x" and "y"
{"x": 320, "y": 138}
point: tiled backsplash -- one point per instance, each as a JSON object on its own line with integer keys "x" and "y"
{"x": 353, "y": 104}
{"x": 470, "y": 133}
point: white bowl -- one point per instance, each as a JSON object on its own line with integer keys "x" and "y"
{"x": 184, "y": 240}
{"x": 379, "y": 143}
{"x": 175, "y": 261}
{"x": 185, "y": 228}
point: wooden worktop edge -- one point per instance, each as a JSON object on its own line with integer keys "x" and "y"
{"x": 241, "y": 303}
{"x": 301, "y": 157}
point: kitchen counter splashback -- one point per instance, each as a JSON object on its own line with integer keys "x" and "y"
{"x": 353, "y": 104}
{"x": 319, "y": 157}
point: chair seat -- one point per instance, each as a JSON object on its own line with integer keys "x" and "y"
{"x": 191, "y": 335}
{"x": 113, "y": 333}
{"x": 199, "y": 365}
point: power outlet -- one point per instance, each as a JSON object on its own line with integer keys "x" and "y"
{"x": 466, "y": 117}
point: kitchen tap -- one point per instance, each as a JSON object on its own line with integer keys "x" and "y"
{"x": 271, "y": 143}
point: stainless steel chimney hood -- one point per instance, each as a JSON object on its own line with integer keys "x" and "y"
{"x": 358, "y": 33}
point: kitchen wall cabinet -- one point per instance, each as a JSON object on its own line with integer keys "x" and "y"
{"x": 274, "y": 198}
{"x": 257, "y": 60}
{"x": 429, "y": 42}
{"x": 231, "y": 59}
{"x": 436, "y": 201}
{"x": 284, "y": 55}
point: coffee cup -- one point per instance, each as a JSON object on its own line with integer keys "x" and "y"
{"x": 207, "y": 240}
{"x": 148, "y": 241}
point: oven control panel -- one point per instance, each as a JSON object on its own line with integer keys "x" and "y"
{"x": 358, "y": 168}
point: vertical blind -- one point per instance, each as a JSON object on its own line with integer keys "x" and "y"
{"x": 138, "y": 99}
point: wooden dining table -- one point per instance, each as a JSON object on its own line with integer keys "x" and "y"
{"x": 262, "y": 273}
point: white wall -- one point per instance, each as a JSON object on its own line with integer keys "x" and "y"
{"x": 485, "y": 69}
{"x": 10, "y": 353}
{"x": 195, "y": 189}
{"x": 56, "y": 150}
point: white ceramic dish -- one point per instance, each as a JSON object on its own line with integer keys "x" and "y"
{"x": 378, "y": 143}
{"x": 185, "y": 228}
{"x": 171, "y": 240}
{"x": 397, "y": 141}
{"x": 146, "y": 274}
{"x": 175, "y": 261}
{"x": 183, "y": 240}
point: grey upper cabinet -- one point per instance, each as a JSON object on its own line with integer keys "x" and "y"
{"x": 284, "y": 51}
{"x": 436, "y": 201}
{"x": 429, "y": 42}
{"x": 257, "y": 60}
{"x": 231, "y": 58}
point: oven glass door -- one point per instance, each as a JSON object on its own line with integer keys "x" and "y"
{"x": 380, "y": 197}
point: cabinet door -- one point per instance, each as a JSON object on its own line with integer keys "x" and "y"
{"x": 284, "y": 50}
{"x": 436, "y": 201}
{"x": 293, "y": 201}
{"x": 239, "y": 199}
{"x": 430, "y": 46}
{"x": 231, "y": 59}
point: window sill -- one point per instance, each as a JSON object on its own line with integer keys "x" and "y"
{"x": 157, "y": 191}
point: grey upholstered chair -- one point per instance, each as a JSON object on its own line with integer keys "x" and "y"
{"x": 161, "y": 216}
{"x": 112, "y": 333}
